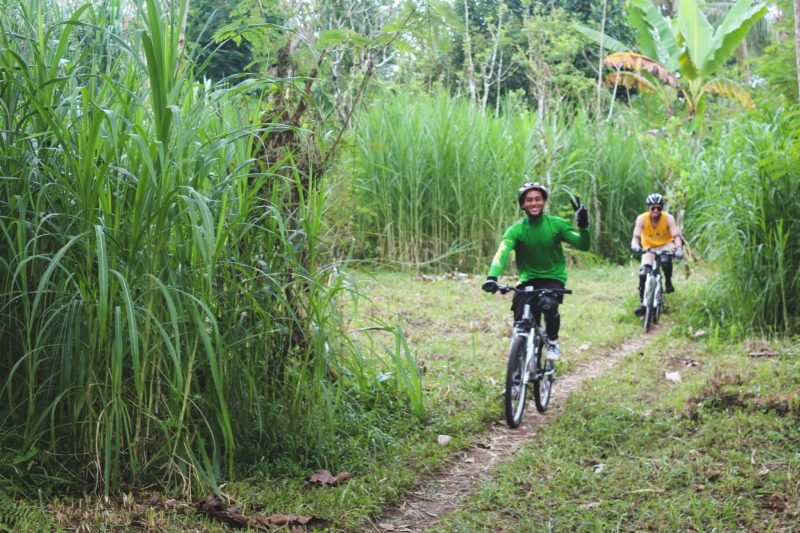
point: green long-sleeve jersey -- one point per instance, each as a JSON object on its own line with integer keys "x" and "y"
{"x": 537, "y": 247}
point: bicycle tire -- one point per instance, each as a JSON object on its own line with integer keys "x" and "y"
{"x": 515, "y": 382}
{"x": 658, "y": 303}
{"x": 543, "y": 386}
{"x": 647, "y": 318}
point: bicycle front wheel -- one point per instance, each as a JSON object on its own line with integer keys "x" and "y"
{"x": 515, "y": 382}
{"x": 649, "y": 303}
{"x": 544, "y": 380}
{"x": 657, "y": 305}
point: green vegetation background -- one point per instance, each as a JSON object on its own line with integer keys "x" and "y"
{"x": 181, "y": 242}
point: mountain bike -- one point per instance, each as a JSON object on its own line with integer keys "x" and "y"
{"x": 653, "y": 299}
{"x": 526, "y": 359}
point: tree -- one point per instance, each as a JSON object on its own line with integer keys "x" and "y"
{"x": 219, "y": 58}
{"x": 684, "y": 52}
{"x": 548, "y": 59}
{"x": 797, "y": 42}
{"x": 778, "y": 65}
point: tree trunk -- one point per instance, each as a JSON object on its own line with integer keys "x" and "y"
{"x": 797, "y": 43}
{"x": 470, "y": 67}
{"x": 182, "y": 36}
{"x": 745, "y": 53}
{"x": 598, "y": 111}
{"x": 488, "y": 68}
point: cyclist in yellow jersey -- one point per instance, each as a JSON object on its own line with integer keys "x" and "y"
{"x": 655, "y": 230}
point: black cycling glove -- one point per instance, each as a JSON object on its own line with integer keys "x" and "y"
{"x": 490, "y": 285}
{"x": 581, "y": 214}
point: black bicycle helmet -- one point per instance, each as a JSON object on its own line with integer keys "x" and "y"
{"x": 655, "y": 199}
{"x": 529, "y": 187}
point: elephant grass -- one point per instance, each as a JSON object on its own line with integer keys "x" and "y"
{"x": 436, "y": 180}
{"x": 169, "y": 315}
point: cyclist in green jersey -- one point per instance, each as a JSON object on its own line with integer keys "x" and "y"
{"x": 536, "y": 241}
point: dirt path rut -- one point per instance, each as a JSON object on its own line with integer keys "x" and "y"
{"x": 444, "y": 492}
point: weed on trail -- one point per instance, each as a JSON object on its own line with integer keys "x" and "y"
{"x": 703, "y": 441}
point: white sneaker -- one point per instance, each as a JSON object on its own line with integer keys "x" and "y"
{"x": 553, "y": 351}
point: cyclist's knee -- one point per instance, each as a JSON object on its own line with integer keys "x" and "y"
{"x": 548, "y": 304}
{"x": 645, "y": 270}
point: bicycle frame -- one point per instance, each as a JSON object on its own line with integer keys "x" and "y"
{"x": 653, "y": 298}
{"x": 535, "y": 335}
{"x": 533, "y": 367}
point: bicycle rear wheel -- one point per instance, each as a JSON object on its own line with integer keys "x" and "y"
{"x": 515, "y": 382}
{"x": 543, "y": 385}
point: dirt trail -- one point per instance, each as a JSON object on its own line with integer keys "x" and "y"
{"x": 444, "y": 492}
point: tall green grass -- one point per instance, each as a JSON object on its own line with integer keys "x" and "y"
{"x": 744, "y": 205}
{"x": 164, "y": 316}
{"x": 436, "y": 180}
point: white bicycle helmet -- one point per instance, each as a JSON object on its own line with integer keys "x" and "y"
{"x": 655, "y": 199}
{"x": 529, "y": 187}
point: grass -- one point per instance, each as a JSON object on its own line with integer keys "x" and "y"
{"x": 434, "y": 179}
{"x": 458, "y": 336}
{"x": 717, "y": 451}
{"x": 754, "y": 241}
{"x": 167, "y": 310}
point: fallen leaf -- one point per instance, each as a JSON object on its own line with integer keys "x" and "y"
{"x": 386, "y": 527}
{"x": 584, "y": 347}
{"x": 590, "y": 505}
{"x": 673, "y": 376}
{"x": 598, "y": 469}
{"x": 214, "y": 507}
{"x": 444, "y": 440}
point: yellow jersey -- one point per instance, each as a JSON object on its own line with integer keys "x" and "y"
{"x": 655, "y": 236}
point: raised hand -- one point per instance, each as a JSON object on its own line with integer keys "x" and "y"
{"x": 581, "y": 213}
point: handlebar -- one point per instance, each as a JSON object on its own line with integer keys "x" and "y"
{"x": 503, "y": 289}
{"x": 656, "y": 253}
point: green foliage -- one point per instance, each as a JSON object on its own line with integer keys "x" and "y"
{"x": 590, "y": 14}
{"x": 436, "y": 180}
{"x": 547, "y": 53}
{"x": 778, "y": 64}
{"x": 218, "y": 60}
{"x": 21, "y": 515}
{"x": 690, "y": 45}
{"x": 744, "y": 210}
{"x": 168, "y": 312}
{"x": 634, "y": 451}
